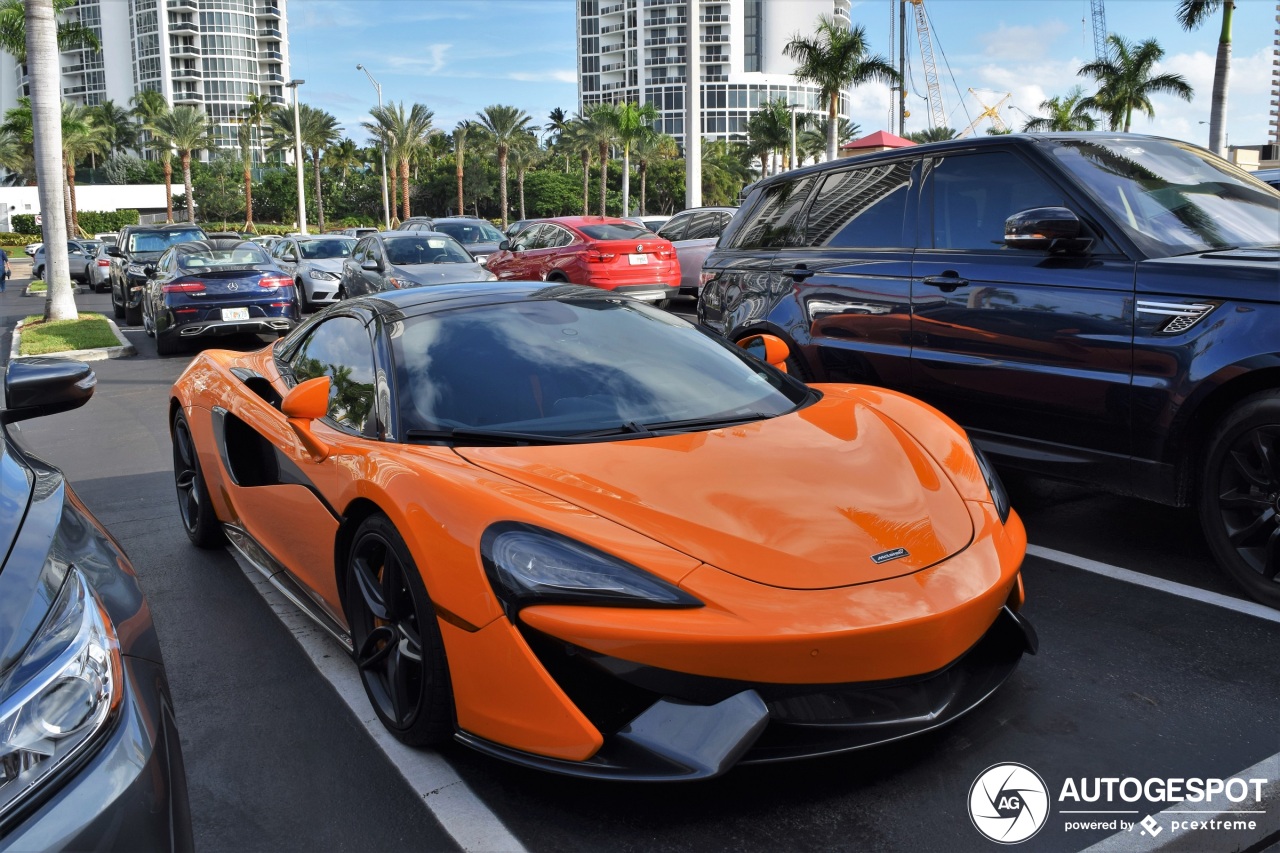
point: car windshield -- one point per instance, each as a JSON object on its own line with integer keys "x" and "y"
{"x": 315, "y": 250}
{"x": 244, "y": 255}
{"x": 158, "y": 241}
{"x": 569, "y": 366}
{"x": 424, "y": 249}
{"x": 467, "y": 233}
{"x": 1171, "y": 198}
{"x": 616, "y": 231}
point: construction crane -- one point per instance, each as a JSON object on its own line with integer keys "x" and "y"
{"x": 988, "y": 112}
{"x": 930, "y": 68}
{"x": 1099, "y": 29}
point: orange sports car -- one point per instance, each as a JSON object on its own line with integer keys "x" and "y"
{"x": 576, "y": 532}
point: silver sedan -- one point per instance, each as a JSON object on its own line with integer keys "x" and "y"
{"x": 315, "y": 264}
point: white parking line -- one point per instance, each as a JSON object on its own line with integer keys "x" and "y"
{"x": 1249, "y": 608}
{"x": 442, "y": 790}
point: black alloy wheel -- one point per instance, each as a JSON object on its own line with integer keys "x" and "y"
{"x": 117, "y": 308}
{"x": 398, "y": 648}
{"x": 194, "y": 505}
{"x": 1240, "y": 497}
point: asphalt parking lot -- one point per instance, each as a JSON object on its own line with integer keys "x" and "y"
{"x": 1131, "y": 681}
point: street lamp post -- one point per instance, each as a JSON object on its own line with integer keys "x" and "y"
{"x": 382, "y": 147}
{"x": 297, "y": 155}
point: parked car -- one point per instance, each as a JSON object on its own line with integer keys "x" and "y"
{"x": 653, "y": 222}
{"x": 694, "y": 234}
{"x": 519, "y": 225}
{"x": 416, "y": 223}
{"x": 1100, "y": 308}
{"x": 315, "y": 264}
{"x": 612, "y": 254}
{"x": 77, "y": 260}
{"x": 357, "y": 232}
{"x": 98, "y": 268}
{"x": 203, "y": 289}
{"x": 266, "y": 241}
{"x": 140, "y": 246}
{"x": 476, "y": 235}
{"x": 552, "y": 499}
{"x": 109, "y": 237}
{"x": 32, "y": 248}
{"x": 393, "y": 260}
{"x": 92, "y": 758}
{"x": 1269, "y": 176}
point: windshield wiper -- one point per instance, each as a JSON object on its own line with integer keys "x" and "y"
{"x": 713, "y": 422}
{"x": 488, "y": 436}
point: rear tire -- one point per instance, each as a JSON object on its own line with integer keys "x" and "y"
{"x": 305, "y": 305}
{"x": 1239, "y": 495}
{"x": 133, "y": 315}
{"x": 194, "y": 506}
{"x": 165, "y": 344}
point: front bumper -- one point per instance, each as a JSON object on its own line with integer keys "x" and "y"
{"x": 130, "y": 793}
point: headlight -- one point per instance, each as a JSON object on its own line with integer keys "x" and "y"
{"x": 321, "y": 275}
{"x": 488, "y": 276}
{"x": 396, "y": 281}
{"x": 137, "y": 269}
{"x": 528, "y": 565}
{"x": 482, "y": 259}
{"x": 62, "y": 693}
{"x": 998, "y": 495}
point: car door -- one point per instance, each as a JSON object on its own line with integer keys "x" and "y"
{"x": 286, "y": 481}
{"x": 153, "y": 297}
{"x": 286, "y": 256}
{"x": 697, "y": 241}
{"x": 1031, "y": 350}
{"x": 850, "y": 272}
{"x": 374, "y": 278}
{"x": 554, "y": 247}
{"x": 521, "y": 267}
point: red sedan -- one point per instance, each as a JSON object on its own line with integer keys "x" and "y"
{"x": 600, "y": 251}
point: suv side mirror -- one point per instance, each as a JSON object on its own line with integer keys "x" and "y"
{"x": 34, "y": 387}
{"x": 504, "y": 246}
{"x": 114, "y": 251}
{"x": 768, "y": 348}
{"x": 370, "y": 265}
{"x": 1044, "y": 229}
{"x": 149, "y": 271}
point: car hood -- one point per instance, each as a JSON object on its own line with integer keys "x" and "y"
{"x": 333, "y": 265}
{"x": 808, "y": 500}
{"x": 1244, "y": 274}
{"x": 442, "y": 273}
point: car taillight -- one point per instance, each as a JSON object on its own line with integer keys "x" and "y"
{"x": 596, "y": 257}
{"x": 104, "y": 263}
{"x": 704, "y": 277}
{"x": 666, "y": 254}
{"x": 182, "y": 287}
{"x": 273, "y": 281}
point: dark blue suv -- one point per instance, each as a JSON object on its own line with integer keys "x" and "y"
{"x": 1103, "y": 308}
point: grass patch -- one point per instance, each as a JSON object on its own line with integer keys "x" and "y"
{"x": 38, "y": 286}
{"x": 90, "y": 331}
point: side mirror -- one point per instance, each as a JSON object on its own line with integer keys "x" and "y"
{"x": 114, "y": 251}
{"x": 768, "y": 348}
{"x": 370, "y": 265}
{"x": 504, "y": 246}
{"x": 149, "y": 271}
{"x": 306, "y": 402}
{"x": 1044, "y": 229}
{"x": 34, "y": 387}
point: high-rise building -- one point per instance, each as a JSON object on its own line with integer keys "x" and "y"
{"x": 636, "y": 50}
{"x": 210, "y": 54}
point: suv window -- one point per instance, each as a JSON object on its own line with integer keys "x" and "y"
{"x": 675, "y": 228}
{"x": 530, "y": 238}
{"x": 339, "y": 348}
{"x": 974, "y": 194}
{"x": 861, "y": 208}
{"x": 554, "y": 237}
{"x": 775, "y": 220}
{"x": 705, "y": 225}
{"x": 373, "y": 252}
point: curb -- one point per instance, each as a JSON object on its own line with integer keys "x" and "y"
{"x": 1266, "y": 833}
{"x": 125, "y": 350}
{"x": 78, "y": 290}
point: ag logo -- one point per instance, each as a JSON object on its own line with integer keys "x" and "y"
{"x": 1008, "y": 803}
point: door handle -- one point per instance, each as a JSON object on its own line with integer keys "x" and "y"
{"x": 800, "y": 273}
{"x": 947, "y": 282}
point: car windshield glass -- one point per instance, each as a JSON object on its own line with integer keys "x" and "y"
{"x": 424, "y": 249}
{"x": 467, "y": 233}
{"x": 569, "y": 366}
{"x": 1170, "y": 198}
{"x": 244, "y": 255}
{"x": 158, "y": 241}
{"x": 314, "y": 250}
{"x": 616, "y": 231}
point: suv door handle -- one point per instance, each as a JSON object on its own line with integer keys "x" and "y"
{"x": 947, "y": 282}
{"x": 800, "y": 273}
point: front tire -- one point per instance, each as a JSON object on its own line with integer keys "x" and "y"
{"x": 133, "y": 315}
{"x": 398, "y": 648}
{"x": 1240, "y": 496}
{"x": 194, "y": 506}
{"x": 116, "y": 308}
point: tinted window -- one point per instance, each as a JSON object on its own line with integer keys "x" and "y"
{"x": 158, "y": 241}
{"x": 470, "y": 232}
{"x": 373, "y": 252}
{"x": 973, "y": 195}
{"x": 705, "y": 226}
{"x": 195, "y": 257}
{"x": 861, "y": 208}
{"x": 556, "y": 237}
{"x": 340, "y": 349}
{"x": 361, "y": 251}
{"x": 675, "y": 228}
{"x": 616, "y": 231}
{"x": 775, "y": 219}
{"x": 530, "y": 238}
{"x": 426, "y": 248}
{"x": 322, "y": 249}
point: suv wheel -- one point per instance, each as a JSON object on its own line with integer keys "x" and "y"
{"x": 1240, "y": 495}
{"x": 116, "y": 308}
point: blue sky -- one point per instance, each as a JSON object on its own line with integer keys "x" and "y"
{"x": 457, "y": 56}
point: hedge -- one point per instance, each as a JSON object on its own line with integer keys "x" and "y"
{"x": 91, "y": 221}
{"x": 8, "y": 238}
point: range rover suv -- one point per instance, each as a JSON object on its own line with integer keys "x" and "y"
{"x": 1103, "y": 308}
{"x": 138, "y": 247}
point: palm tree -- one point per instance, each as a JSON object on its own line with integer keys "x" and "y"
{"x": 835, "y": 59}
{"x": 558, "y": 122}
{"x": 185, "y": 129}
{"x": 724, "y": 171}
{"x": 647, "y": 147}
{"x": 318, "y": 129}
{"x": 119, "y": 124}
{"x": 577, "y": 140}
{"x": 244, "y": 135}
{"x": 1066, "y": 113}
{"x": 148, "y": 105}
{"x": 599, "y": 128}
{"x": 343, "y": 156}
{"x": 524, "y": 155}
{"x": 811, "y": 142}
{"x": 1191, "y": 15}
{"x": 770, "y": 130}
{"x": 1125, "y": 81}
{"x": 81, "y": 137}
{"x": 633, "y": 122}
{"x": 503, "y": 124}
{"x": 403, "y": 132}
{"x": 257, "y": 114}
{"x": 460, "y": 156}
{"x": 933, "y": 134}
{"x": 13, "y": 30}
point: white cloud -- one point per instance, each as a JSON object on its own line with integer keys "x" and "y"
{"x": 432, "y": 63}
{"x": 558, "y": 76}
{"x": 1023, "y": 42}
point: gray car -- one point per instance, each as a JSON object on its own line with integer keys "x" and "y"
{"x": 315, "y": 264}
{"x": 694, "y": 234}
{"x": 476, "y": 235}
{"x": 394, "y": 260}
{"x": 98, "y": 268}
{"x": 76, "y": 258}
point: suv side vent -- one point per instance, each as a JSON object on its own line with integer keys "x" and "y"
{"x": 1181, "y": 316}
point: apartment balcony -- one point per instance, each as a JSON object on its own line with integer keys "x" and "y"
{"x": 659, "y": 81}
{"x": 614, "y": 66}
{"x": 187, "y": 73}
{"x": 269, "y": 33}
{"x": 270, "y": 56}
{"x": 612, "y": 10}
{"x": 714, "y": 19}
{"x": 609, "y": 87}
{"x": 276, "y": 99}
{"x": 612, "y": 48}
{"x": 188, "y": 96}
{"x": 183, "y": 27}
{"x": 271, "y": 77}
{"x": 613, "y": 28}
{"x": 720, "y": 39}
{"x": 184, "y": 50}
{"x": 664, "y": 60}
{"x": 183, "y": 5}
{"x": 670, "y": 19}
{"x": 664, "y": 40}
{"x": 268, "y": 12}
